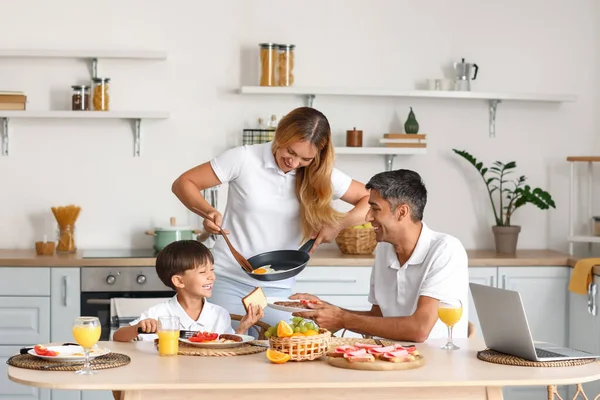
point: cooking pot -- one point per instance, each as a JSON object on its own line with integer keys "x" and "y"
{"x": 172, "y": 233}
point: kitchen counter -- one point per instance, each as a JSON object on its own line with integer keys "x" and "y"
{"x": 445, "y": 375}
{"x": 321, "y": 257}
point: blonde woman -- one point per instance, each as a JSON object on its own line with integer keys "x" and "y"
{"x": 279, "y": 196}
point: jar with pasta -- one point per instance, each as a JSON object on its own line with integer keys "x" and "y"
{"x": 285, "y": 64}
{"x": 101, "y": 96}
{"x": 267, "y": 64}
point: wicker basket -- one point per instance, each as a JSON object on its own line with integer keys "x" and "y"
{"x": 356, "y": 241}
{"x": 301, "y": 348}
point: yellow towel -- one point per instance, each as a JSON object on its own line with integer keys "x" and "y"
{"x": 582, "y": 275}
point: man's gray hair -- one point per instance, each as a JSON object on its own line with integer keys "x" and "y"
{"x": 402, "y": 186}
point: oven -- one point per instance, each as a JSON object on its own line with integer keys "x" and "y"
{"x": 101, "y": 284}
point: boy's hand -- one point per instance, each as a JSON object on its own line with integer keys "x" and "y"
{"x": 254, "y": 314}
{"x": 148, "y": 325}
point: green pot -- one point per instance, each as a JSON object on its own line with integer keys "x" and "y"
{"x": 165, "y": 235}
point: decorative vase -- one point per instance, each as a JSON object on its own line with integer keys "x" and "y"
{"x": 411, "y": 125}
{"x": 506, "y": 238}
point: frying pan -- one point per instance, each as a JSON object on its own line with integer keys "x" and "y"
{"x": 290, "y": 261}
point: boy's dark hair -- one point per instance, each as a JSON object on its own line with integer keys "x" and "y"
{"x": 402, "y": 186}
{"x": 178, "y": 257}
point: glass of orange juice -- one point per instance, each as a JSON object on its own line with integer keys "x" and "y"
{"x": 168, "y": 335}
{"x": 450, "y": 312}
{"x": 86, "y": 332}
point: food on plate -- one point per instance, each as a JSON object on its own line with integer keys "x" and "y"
{"x": 298, "y": 327}
{"x": 257, "y": 296}
{"x": 266, "y": 269}
{"x": 277, "y": 357}
{"x": 41, "y": 350}
{"x": 365, "y": 352}
{"x": 297, "y": 304}
{"x": 211, "y": 337}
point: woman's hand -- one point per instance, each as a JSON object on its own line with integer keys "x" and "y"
{"x": 327, "y": 235}
{"x": 213, "y": 227}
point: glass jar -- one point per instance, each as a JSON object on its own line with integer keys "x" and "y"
{"x": 101, "y": 97}
{"x": 267, "y": 64}
{"x": 80, "y": 100}
{"x": 285, "y": 64}
{"x": 66, "y": 239}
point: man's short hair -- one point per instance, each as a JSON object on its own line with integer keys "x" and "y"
{"x": 401, "y": 186}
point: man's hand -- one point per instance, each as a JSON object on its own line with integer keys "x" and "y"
{"x": 305, "y": 296}
{"x": 325, "y": 315}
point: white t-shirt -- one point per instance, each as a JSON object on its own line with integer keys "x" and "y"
{"x": 213, "y": 318}
{"x": 263, "y": 212}
{"x": 437, "y": 268}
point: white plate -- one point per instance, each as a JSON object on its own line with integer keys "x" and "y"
{"x": 271, "y": 303}
{"x": 71, "y": 353}
{"x": 215, "y": 345}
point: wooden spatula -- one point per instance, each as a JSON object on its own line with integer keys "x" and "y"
{"x": 238, "y": 257}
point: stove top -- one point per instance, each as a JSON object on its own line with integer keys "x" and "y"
{"x": 120, "y": 253}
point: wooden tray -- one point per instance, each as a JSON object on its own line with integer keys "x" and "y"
{"x": 376, "y": 365}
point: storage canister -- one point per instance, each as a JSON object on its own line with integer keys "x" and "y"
{"x": 267, "y": 64}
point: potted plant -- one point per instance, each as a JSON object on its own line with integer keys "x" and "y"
{"x": 511, "y": 195}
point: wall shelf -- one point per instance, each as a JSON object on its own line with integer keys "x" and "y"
{"x": 493, "y": 99}
{"x": 135, "y": 116}
{"x": 389, "y": 152}
{"x": 92, "y": 55}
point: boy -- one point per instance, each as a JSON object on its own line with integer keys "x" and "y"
{"x": 187, "y": 267}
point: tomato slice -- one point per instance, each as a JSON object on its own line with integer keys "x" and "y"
{"x": 40, "y": 350}
{"x": 204, "y": 337}
{"x": 51, "y": 353}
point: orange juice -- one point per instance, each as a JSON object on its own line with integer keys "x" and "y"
{"x": 450, "y": 316}
{"x": 168, "y": 343}
{"x": 87, "y": 336}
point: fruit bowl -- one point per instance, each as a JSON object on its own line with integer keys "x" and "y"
{"x": 359, "y": 239}
{"x": 300, "y": 346}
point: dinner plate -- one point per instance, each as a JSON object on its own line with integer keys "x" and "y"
{"x": 71, "y": 353}
{"x": 216, "y": 345}
{"x": 271, "y": 303}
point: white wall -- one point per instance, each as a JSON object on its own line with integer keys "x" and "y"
{"x": 520, "y": 45}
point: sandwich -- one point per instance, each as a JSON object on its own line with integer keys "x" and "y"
{"x": 257, "y": 296}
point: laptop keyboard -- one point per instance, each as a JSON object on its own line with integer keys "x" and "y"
{"x": 546, "y": 354}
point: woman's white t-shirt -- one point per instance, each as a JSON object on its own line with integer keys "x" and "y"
{"x": 263, "y": 212}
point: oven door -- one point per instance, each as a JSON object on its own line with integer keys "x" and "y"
{"x": 97, "y": 304}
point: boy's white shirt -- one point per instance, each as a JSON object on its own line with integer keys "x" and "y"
{"x": 213, "y": 318}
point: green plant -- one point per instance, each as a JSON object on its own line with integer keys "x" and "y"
{"x": 514, "y": 191}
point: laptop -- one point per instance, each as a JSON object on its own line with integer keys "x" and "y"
{"x": 505, "y": 328}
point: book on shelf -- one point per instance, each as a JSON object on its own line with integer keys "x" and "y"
{"x": 12, "y": 106}
{"x": 407, "y": 140}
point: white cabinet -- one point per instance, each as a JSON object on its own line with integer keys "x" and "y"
{"x": 10, "y": 390}
{"x": 544, "y": 291}
{"x": 584, "y": 332}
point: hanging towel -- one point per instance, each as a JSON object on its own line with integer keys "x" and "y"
{"x": 582, "y": 275}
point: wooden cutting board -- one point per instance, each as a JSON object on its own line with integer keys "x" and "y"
{"x": 376, "y": 365}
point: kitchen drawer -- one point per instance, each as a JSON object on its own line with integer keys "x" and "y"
{"x": 24, "y": 320}
{"x": 334, "y": 281}
{"x": 24, "y": 281}
{"x": 10, "y": 390}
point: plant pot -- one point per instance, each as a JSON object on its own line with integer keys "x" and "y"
{"x": 506, "y": 238}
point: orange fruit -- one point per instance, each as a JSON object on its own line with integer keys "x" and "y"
{"x": 297, "y": 334}
{"x": 311, "y": 332}
{"x": 284, "y": 329}
{"x": 277, "y": 357}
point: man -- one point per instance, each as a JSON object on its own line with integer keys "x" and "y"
{"x": 415, "y": 268}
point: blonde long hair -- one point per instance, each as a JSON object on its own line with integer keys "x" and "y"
{"x": 313, "y": 182}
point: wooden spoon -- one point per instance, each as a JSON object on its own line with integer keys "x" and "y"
{"x": 238, "y": 257}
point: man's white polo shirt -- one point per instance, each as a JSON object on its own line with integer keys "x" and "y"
{"x": 437, "y": 268}
{"x": 213, "y": 318}
{"x": 263, "y": 212}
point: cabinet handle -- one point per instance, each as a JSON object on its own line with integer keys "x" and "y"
{"x": 592, "y": 292}
{"x": 503, "y": 281}
{"x": 492, "y": 281}
{"x": 327, "y": 280}
{"x": 65, "y": 290}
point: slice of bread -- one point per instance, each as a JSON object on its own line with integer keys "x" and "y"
{"x": 257, "y": 296}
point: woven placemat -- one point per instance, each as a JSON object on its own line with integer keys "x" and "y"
{"x": 506, "y": 359}
{"x": 191, "y": 350}
{"x": 110, "y": 360}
